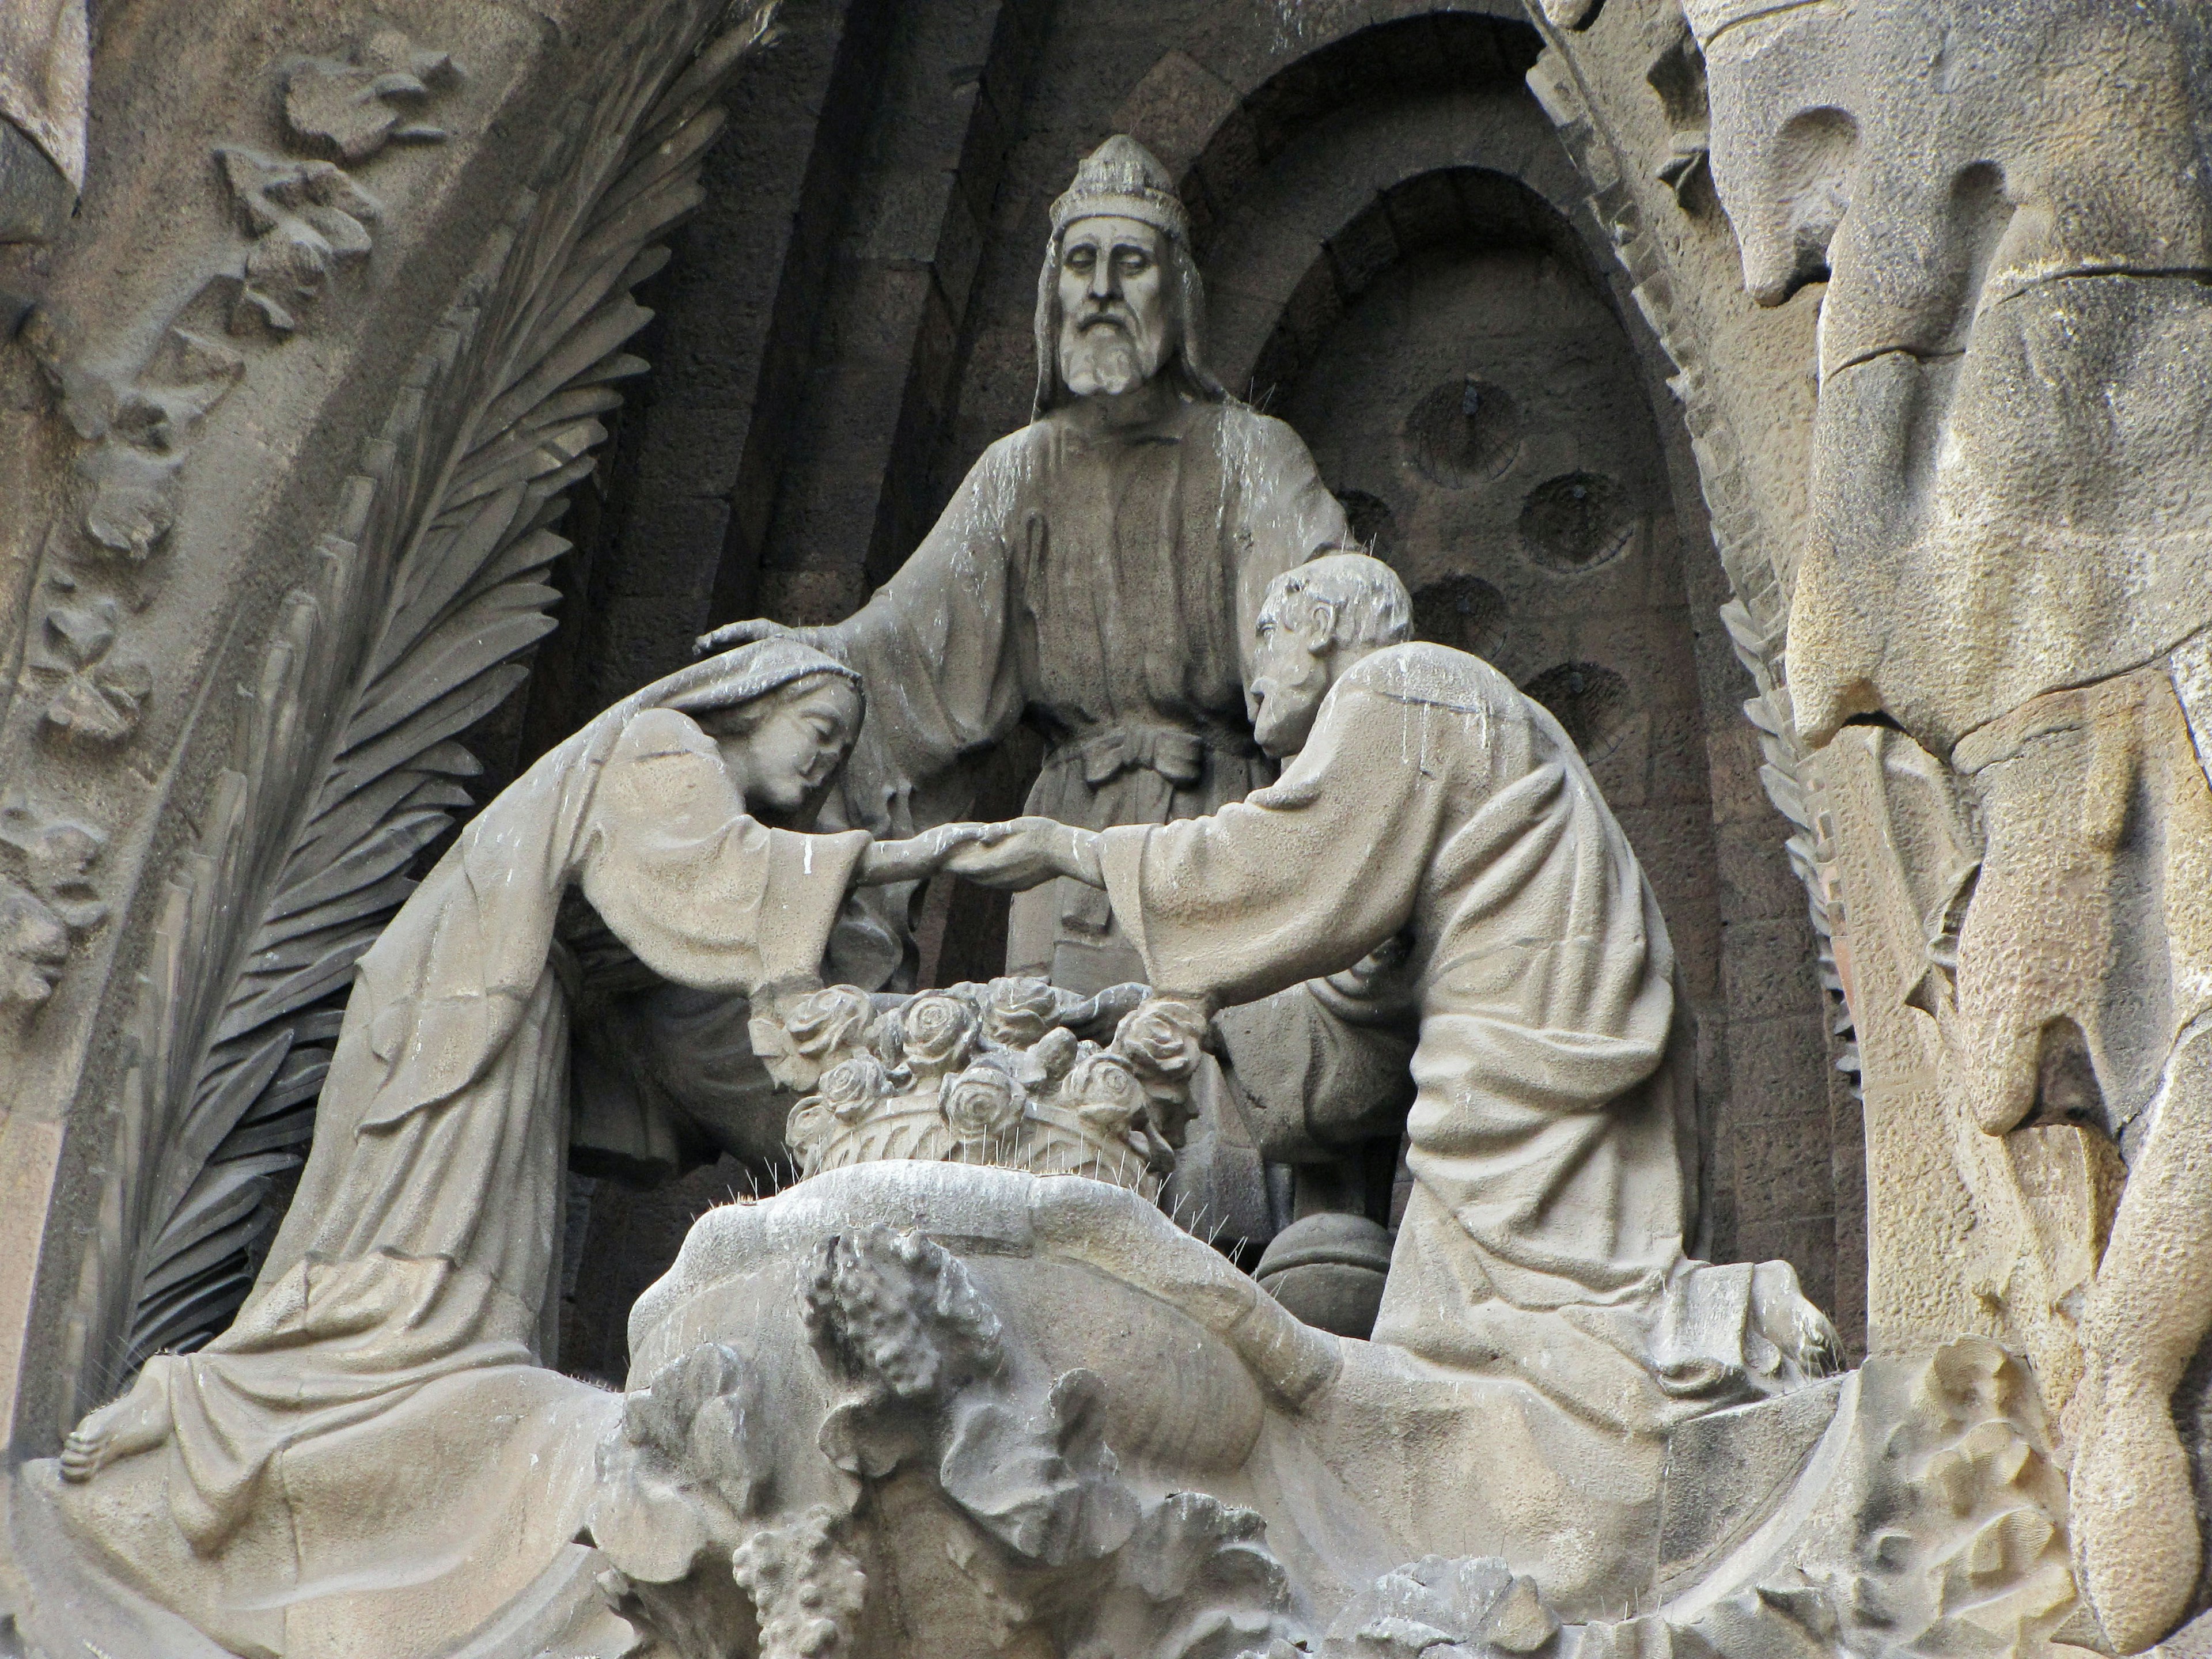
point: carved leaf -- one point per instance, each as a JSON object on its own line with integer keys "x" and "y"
{"x": 347, "y": 767}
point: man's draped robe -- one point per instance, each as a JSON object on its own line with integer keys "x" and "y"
{"x": 1539, "y": 1278}
{"x": 375, "y": 1431}
{"x": 1102, "y": 583}
{"x": 1554, "y": 1126}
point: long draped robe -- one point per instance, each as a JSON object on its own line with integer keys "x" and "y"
{"x": 376, "y": 1423}
{"x": 1102, "y": 583}
{"x": 1554, "y": 1128}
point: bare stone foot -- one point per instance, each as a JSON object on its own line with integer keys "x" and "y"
{"x": 138, "y": 1422}
{"x": 2134, "y": 1518}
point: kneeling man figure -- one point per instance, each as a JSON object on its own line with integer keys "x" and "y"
{"x": 1553, "y": 1134}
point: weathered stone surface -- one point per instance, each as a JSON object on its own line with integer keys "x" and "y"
{"x": 1897, "y": 303}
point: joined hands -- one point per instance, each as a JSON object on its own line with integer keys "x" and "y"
{"x": 1020, "y": 854}
{"x": 1023, "y": 853}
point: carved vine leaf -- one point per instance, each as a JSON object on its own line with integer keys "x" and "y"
{"x": 352, "y": 108}
{"x": 427, "y": 589}
{"x": 1193, "y": 1580}
{"x": 47, "y": 897}
{"x": 307, "y": 218}
{"x": 1462, "y": 1605}
{"x": 685, "y": 1468}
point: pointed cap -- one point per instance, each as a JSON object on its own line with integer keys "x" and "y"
{"x": 1123, "y": 179}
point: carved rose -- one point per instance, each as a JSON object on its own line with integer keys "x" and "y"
{"x": 1162, "y": 1040}
{"x": 823, "y": 1022}
{"x": 938, "y": 1033}
{"x": 980, "y": 1102}
{"x": 850, "y": 1087}
{"x": 1018, "y": 1011}
{"x": 1104, "y": 1091}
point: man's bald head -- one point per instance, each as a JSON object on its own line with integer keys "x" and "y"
{"x": 1369, "y": 606}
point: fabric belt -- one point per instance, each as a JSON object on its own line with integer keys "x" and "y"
{"x": 1178, "y": 755}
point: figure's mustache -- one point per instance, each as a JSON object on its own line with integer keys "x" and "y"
{"x": 1102, "y": 319}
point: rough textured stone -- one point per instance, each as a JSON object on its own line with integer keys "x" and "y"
{"x": 338, "y": 498}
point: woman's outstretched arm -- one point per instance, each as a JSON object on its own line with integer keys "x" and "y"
{"x": 919, "y": 857}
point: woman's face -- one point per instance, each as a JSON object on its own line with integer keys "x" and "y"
{"x": 788, "y": 756}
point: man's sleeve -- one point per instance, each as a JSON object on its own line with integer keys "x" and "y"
{"x": 1304, "y": 878}
{"x": 934, "y": 651}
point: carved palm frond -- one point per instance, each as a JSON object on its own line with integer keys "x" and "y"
{"x": 429, "y": 586}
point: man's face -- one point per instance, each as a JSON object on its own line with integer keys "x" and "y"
{"x": 1290, "y": 671}
{"x": 1113, "y": 313}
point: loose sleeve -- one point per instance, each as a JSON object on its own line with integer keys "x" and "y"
{"x": 706, "y": 896}
{"x": 934, "y": 647}
{"x": 1300, "y": 879}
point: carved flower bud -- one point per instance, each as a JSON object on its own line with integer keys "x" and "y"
{"x": 887, "y": 1040}
{"x": 980, "y": 1102}
{"x": 807, "y": 1127}
{"x": 823, "y": 1022}
{"x": 1104, "y": 1091}
{"x": 1162, "y": 1040}
{"x": 1017, "y": 1013}
{"x": 938, "y": 1033}
{"x": 850, "y": 1087}
{"x": 1054, "y": 1053}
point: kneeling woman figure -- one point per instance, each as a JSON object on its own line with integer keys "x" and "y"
{"x": 417, "y": 1252}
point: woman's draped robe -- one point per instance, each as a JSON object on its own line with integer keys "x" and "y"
{"x": 1552, "y": 1135}
{"x": 376, "y": 1422}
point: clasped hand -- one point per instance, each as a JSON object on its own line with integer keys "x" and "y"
{"x": 1020, "y": 854}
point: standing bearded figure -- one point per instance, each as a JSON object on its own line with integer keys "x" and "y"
{"x": 1097, "y": 574}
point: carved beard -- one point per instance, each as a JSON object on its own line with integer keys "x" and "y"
{"x": 1115, "y": 355}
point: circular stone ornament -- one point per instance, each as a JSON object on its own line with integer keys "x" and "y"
{"x": 1591, "y": 700}
{"x": 1462, "y": 611}
{"x": 1577, "y": 522}
{"x": 1465, "y": 434}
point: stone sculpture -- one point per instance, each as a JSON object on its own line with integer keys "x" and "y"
{"x": 1142, "y": 502}
{"x": 397, "y": 1317}
{"x": 955, "y": 1432}
{"x": 953, "y": 1435}
{"x": 1553, "y": 1124}
{"x": 2009, "y": 557}
{"x": 975, "y": 1382}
